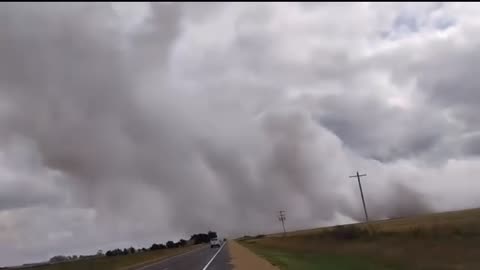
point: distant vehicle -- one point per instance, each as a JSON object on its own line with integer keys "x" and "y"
{"x": 214, "y": 242}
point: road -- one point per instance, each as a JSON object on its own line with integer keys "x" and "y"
{"x": 201, "y": 259}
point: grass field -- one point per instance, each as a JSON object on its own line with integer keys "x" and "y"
{"x": 127, "y": 262}
{"x": 435, "y": 241}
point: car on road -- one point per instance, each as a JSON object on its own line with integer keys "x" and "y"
{"x": 214, "y": 242}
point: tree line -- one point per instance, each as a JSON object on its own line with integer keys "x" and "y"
{"x": 195, "y": 239}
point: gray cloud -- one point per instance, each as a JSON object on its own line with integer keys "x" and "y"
{"x": 113, "y": 137}
{"x": 380, "y": 131}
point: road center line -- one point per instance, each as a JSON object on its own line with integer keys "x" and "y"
{"x": 211, "y": 260}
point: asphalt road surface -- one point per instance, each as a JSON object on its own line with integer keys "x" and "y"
{"x": 201, "y": 259}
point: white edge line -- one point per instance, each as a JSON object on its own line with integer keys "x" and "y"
{"x": 170, "y": 258}
{"x": 211, "y": 260}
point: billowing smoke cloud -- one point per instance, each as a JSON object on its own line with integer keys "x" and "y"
{"x": 116, "y": 133}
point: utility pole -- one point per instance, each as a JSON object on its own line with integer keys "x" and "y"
{"x": 281, "y": 217}
{"x": 361, "y": 192}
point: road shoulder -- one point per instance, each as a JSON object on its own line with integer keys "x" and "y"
{"x": 242, "y": 258}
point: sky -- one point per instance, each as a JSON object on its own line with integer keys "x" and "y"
{"x": 132, "y": 124}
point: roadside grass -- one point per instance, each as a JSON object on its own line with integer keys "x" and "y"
{"x": 301, "y": 261}
{"x": 126, "y": 262}
{"x": 429, "y": 242}
{"x": 464, "y": 220}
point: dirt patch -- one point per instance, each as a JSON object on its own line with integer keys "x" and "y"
{"x": 244, "y": 259}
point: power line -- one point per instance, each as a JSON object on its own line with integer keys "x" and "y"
{"x": 282, "y": 218}
{"x": 361, "y": 192}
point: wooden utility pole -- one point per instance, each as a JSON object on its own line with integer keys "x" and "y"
{"x": 361, "y": 192}
{"x": 281, "y": 217}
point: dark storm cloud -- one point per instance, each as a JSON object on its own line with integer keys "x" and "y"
{"x": 379, "y": 131}
{"x": 451, "y": 68}
{"x": 470, "y": 145}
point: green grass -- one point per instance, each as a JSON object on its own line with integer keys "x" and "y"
{"x": 298, "y": 261}
{"x": 126, "y": 262}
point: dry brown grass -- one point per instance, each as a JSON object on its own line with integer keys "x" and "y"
{"x": 435, "y": 241}
{"x": 466, "y": 219}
